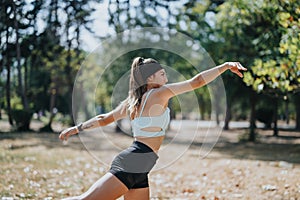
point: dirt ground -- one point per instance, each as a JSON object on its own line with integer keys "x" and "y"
{"x": 206, "y": 166}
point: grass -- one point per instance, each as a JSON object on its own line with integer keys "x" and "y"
{"x": 31, "y": 169}
{"x": 38, "y": 166}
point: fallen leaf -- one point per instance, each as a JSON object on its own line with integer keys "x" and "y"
{"x": 269, "y": 187}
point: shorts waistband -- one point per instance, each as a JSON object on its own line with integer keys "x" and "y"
{"x": 142, "y": 146}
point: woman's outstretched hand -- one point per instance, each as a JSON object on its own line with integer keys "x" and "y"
{"x": 236, "y": 67}
{"x": 64, "y": 135}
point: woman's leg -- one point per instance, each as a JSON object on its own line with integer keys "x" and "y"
{"x": 138, "y": 194}
{"x": 108, "y": 187}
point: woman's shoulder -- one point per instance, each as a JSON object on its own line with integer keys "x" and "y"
{"x": 155, "y": 96}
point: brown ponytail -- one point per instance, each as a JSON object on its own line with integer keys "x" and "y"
{"x": 138, "y": 83}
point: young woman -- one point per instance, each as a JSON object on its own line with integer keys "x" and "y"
{"x": 147, "y": 107}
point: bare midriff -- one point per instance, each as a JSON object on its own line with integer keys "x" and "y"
{"x": 153, "y": 142}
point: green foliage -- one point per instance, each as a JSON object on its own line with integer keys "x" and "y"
{"x": 47, "y": 58}
{"x": 271, "y": 29}
{"x": 263, "y": 35}
{"x": 124, "y": 15}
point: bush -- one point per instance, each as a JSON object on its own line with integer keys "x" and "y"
{"x": 22, "y": 119}
{"x": 265, "y": 115}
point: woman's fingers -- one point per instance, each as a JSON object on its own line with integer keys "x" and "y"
{"x": 236, "y": 67}
{"x": 64, "y": 135}
{"x": 239, "y": 73}
{"x": 241, "y": 67}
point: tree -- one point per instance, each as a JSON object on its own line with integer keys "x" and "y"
{"x": 276, "y": 71}
{"x": 34, "y": 55}
{"x": 128, "y": 14}
{"x": 199, "y": 20}
{"x": 6, "y": 23}
{"x": 78, "y": 18}
{"x": 249, "y": 32}
{"x": 15, "y": 21}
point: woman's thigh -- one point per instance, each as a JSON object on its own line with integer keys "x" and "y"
{"x": 138, "y": 194}
{"x": 108, "y": 187}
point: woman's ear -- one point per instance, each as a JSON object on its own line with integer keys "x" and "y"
{"x": 150, "y": 78}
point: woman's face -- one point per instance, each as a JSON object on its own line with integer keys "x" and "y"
{"x": 158, "y": 78}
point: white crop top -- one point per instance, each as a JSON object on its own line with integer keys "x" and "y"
{"x": 161, "y": 121}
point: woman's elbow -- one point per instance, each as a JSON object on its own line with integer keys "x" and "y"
{"x": 197, "y": 82}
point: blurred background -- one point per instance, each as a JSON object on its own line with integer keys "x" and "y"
{"x": 43, "y": 44}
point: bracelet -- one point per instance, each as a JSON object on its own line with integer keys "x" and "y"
{"x": 79, "y": 127}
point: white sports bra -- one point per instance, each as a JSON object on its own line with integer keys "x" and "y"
{"x": 161, "y": 121}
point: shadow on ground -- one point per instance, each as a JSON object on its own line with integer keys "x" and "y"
{"x": 267, "y": 148}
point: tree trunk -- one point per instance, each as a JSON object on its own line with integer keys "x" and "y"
{"x": 26, "y": 78}
{"x": 252, "y": 127}
{"x": 48, "y": 127}
{"x": 24, "y": 122}
{"x": 287, "y": 111}
{"x": 18, "y": 52}
{"x": 228, "y": 116}
{"x": 275, "y": 127}
{"x": 52, "y": 106}
{"x": 69, "y": 75}
{"x": 7, "y": 63}
{"x": 217, "y": 113}
{"x": 201, "y": 106}
{"x": 297, "y": 106}
{"x": 218, "y": 117}
{"x": 8, "y": 106}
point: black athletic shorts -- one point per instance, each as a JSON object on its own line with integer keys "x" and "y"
{"x": 133, "y": 165}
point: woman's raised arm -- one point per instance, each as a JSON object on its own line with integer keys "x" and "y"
{"x": 199, "y": 80}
